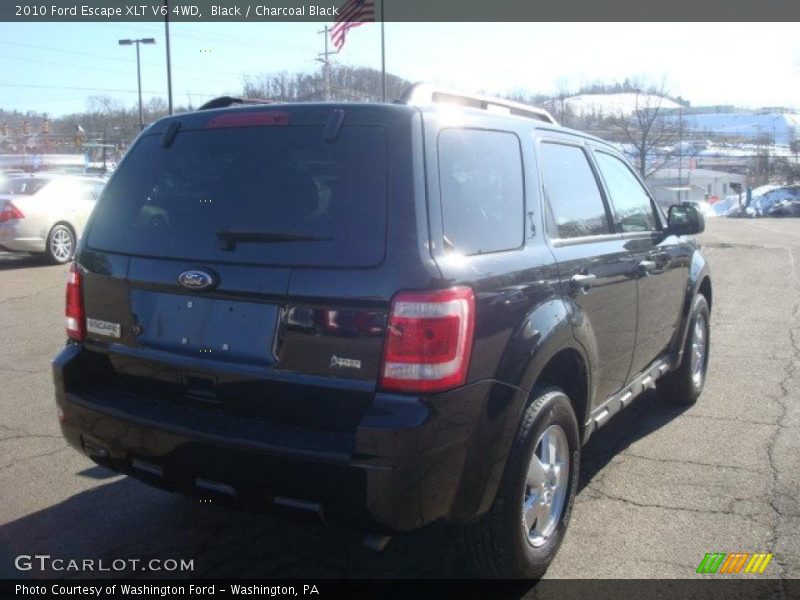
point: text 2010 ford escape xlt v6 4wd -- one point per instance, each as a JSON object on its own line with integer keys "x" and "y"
{"x": 386, "y": 314}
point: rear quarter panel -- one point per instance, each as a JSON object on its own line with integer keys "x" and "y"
{"x": 521, "y": 320}
{"x": 699, "y": 271}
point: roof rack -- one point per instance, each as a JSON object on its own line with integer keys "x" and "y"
{"x": 225, "y": 101}
{"x": 424, "y": 94}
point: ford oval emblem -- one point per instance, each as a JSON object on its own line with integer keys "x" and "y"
{"x": 196, "y": 280}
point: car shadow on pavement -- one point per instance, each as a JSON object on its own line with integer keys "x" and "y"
{"x": 647, "y": 414}
{"x": 10, "y": 261}
{"x": 125, "y": 519}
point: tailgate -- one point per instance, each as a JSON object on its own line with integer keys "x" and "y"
{"x": 214, "y": 350}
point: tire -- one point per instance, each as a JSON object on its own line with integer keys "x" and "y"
{"x": 685, "y": 384}
{"x": 61, "y": 244}
{"x": 503, "y": 543}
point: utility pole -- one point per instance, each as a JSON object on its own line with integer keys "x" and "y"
{"x": 105, "y": 142}
{"x": 139, "y": 79}
{"x": 383, "y": 54}
{"x": 326, "y": 64}
{"x": 680, "y": 152}
{"x": 169, "y": 61}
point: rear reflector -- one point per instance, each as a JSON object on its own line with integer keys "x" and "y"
{"x": 76, "y": 328}
{"x": 249, "y": 119}
{"x": 10, "y": 212}
{"x": 428, "y": 340}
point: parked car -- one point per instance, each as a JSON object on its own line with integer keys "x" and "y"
{"x": 768, "y": 200}
{"x": 385, "y": 315}
{"x": 788, "y": 207}
{"x": 46, "y": 214}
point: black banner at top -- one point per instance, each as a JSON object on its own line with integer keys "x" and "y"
{"x": 396, "y": 10}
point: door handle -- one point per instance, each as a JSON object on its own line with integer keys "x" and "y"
{"x": 582, "y": 282}
{"x": 646, "y": 267}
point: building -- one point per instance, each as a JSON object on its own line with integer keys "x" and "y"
{"x": 670, "y": 186}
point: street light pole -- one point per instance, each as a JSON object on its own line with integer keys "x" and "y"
{"x": 138, "y": 70}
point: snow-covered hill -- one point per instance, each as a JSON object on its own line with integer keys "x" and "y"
{"x": 783, "y": 126}
{"x": 616, "y": 104}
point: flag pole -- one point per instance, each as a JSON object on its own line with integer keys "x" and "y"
{"x": 383, "y": 55}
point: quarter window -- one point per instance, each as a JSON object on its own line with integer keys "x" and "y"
{"x": 632, "y": 207}
{"x": 480, "y": 178}
{"x": 572, "y": 192}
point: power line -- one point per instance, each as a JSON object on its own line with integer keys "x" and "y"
{"x": 88, "y": 89}
{"x": 106, "y": 57}
{"x": 63, "y": 51}
{"x": 117, "y": 71}
{"x": 198, "y": 34}
{"x": 59, "y": 64}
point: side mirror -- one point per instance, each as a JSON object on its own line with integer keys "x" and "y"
{"x": 685, "y": 219}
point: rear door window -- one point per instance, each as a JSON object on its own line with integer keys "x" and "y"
{"x": 277, "y": 195}
{"x": 633, "y": 210}
{"x": 482, "y": 191}
{"x": 573, "y": 194}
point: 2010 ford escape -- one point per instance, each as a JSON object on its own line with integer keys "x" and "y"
{"x": 388, "y": 315}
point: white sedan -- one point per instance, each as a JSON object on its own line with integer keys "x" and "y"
{"x": 46, "y": 214}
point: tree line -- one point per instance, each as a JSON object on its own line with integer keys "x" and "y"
{"x": 646, "y": 131}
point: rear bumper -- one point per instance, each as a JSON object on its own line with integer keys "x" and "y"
{"x": 408, "y": 463}
{"x": 10, "y": 241}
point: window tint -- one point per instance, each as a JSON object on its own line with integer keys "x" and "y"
{"x": 23, "y": 187}
{"x": 324, "y": 202}
{"x": 572, "y": 191}
{"x": 632, "y": 207}
{"x": 480, "y": 177}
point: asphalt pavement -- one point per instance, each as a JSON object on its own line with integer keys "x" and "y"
{"x": 660, "y": 486}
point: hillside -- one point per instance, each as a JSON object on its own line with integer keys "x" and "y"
{"x": 615, "y": 104}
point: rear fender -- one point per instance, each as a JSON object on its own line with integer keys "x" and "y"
{"x": 698, "y": 272}
{"x": 544, "y": 332}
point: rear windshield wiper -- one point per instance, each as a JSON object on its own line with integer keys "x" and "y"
{"x": 230, "y": 237}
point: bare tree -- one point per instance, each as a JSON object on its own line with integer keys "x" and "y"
{"x": 647, "y": 128}
{"x": 156, "y": 108}
{"x": 560, "y": 105}
{"x": 359, "y": 84}
{"x": 102, "y": 113}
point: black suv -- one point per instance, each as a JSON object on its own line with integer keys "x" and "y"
{"x": 383, "y": 314}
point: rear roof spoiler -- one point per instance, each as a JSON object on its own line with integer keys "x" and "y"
{"x": 421, "y": 94}
{"x": 225, "y": 101}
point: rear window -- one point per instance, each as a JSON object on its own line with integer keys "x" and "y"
{"x": 267, "y": 195}
{"x": 22, "y": 187}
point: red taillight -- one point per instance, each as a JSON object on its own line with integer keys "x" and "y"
{"x": 10, "y": 212}
{"x": 75, "y": 317}
{"x": 428, "y": 340}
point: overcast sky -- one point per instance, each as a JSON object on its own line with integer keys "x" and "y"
{"x": 53, "y": 67}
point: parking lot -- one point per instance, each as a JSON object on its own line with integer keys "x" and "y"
{"x": 660, "y": 486}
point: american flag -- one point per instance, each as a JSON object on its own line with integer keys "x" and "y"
{"x": 352, "y": 14}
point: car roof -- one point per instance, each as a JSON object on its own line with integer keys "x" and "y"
{"x": 199, "y": 118}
